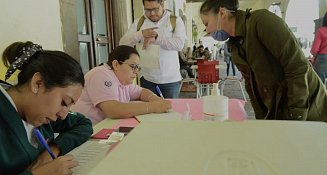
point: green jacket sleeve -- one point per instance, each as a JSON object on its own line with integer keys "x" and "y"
{"x": 26, "y": 173}
{"x": 73, "y": 131}
{"x": 279, "y": 40}
{"x": 259, "y": 114}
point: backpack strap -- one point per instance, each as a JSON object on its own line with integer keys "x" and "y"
{"x": 172, "y": 22}
{"x": 140, "y": 23}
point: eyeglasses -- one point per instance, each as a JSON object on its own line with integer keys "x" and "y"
{"x": 133, "y": 66}
{"x": 155, "y": 10}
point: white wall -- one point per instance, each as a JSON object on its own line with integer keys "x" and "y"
{"x": 34, "y": 20}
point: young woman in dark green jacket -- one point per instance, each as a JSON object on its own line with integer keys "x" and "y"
{"x": 49, "y": 82}
{"x": 278, "y": 78}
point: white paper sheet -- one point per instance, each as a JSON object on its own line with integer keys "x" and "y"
{"x": 171, "y": 115}
{"x": 88, "y": 156}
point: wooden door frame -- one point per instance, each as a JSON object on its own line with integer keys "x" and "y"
{"x": 71, "y": 37}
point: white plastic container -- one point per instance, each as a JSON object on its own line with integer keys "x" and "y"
{"x": 215, "y": 108}
{"x": 215, "y": 89}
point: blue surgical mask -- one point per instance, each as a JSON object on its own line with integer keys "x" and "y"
{"x": 220, "y": 35}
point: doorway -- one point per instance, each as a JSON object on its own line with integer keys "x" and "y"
{"x": 94, "y": 21}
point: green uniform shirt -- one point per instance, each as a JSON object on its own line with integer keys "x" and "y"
{"x": 279, "y": 79}
{"x": 16, "y": 152}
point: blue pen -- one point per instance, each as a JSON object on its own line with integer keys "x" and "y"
{"x": 159, "y": 91}
{"x": 41, "y": 139}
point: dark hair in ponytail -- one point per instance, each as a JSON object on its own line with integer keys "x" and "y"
{"x": 214, "y": 5}
{"x": 57, "y": 68}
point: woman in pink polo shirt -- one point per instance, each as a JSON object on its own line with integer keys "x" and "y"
{"x": 109, "y": 89}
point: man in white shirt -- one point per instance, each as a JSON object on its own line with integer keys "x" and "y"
{"x": 158, "y": 30}
{"x": 214, "y": 52}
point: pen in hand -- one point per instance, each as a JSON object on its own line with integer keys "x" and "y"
{"x": 159, "y": 91}
{"x": 42, "y": 141}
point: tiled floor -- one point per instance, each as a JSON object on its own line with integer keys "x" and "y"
{"x": 231, "y": 90}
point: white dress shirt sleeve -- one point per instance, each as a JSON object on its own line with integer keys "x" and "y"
{"x": 131, "y": 37}
{"x": 177, "y": 41}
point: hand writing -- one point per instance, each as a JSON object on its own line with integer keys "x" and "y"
{"x": 59, "y": 166}
{"x": 160, "y": 106}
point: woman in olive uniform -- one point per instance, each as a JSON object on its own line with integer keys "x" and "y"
{"x": 278, "y": 78}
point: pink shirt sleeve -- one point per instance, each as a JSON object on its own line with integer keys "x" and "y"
{"x": 101, "y": 86}
{"x": 134, "y": 91}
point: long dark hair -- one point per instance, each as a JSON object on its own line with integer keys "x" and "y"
{"x": 214, "y": 5}
{"x": 57, "y": 68}
{"x": 121, "y": 53}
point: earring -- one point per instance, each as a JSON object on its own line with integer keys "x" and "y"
{"x": 35, "y": 90}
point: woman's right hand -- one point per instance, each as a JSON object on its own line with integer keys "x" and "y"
{"x": 58, "y": 166}
{"x": 160, "y": 106}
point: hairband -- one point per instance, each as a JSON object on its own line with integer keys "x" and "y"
{"x": 27, "y": 53}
